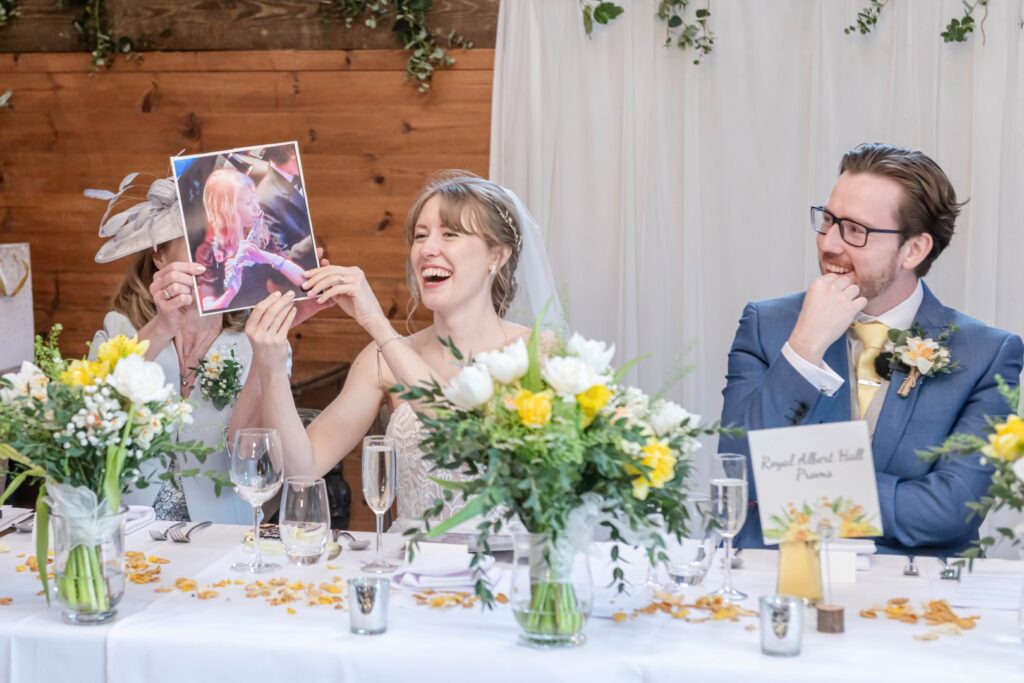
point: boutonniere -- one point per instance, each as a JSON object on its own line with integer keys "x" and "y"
{"x": 219, "y": 377}
{"x": 910, "y": 351}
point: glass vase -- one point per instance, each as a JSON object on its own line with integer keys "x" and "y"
{"x": 800, "y": 570}
{"x": 552, "y": 591}
{"x": 89, "y": 566}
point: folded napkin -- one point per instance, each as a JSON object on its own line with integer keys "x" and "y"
{"x": 443, "y": 568}
{"x": 139, "y": 516}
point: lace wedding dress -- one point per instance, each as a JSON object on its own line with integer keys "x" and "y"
{"x": 415, "y": 491}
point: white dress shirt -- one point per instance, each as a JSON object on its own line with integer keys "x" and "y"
{"x": 825, "y": 379}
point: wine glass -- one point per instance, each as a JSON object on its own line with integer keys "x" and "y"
{"x": 305, "y": 519}
{"x": 256, "y": 470}
{"x": 729, "y": 510}
{"x": 379, "y": 464}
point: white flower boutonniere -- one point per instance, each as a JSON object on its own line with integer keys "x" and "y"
{"x": 219, "y": 377}
{"x": 910, "y": 351}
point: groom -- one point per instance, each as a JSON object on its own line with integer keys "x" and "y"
{"x": 810, "y": 357}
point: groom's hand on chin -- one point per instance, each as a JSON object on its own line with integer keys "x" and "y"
{"x": 831, "y": 304}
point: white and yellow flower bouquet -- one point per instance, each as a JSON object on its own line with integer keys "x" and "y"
{"x": 86, "y": 428}
{"x": 553, "y": 441}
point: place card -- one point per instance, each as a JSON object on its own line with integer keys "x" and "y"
{"x": 812, "y": 474}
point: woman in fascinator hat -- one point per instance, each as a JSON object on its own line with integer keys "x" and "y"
{"x": 156, "y": 302}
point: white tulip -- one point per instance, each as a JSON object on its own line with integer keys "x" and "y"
{"x": 139, "y": 381}
{"x": 595, "y": 354}
{"x": 507, "y": 365}
{"x": 471, "y": 388}
{"x": 569, "y": 376}
{"x": 669, "y": 415}
{"x": 28, "y": 381}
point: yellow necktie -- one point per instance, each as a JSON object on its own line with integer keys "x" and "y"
{"x": 873, "y": 336}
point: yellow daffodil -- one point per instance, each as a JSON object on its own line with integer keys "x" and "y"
{"x": 120, "y": 347}
{"x": 82, "y": 373}
{"x": 658, "y": 457}
{"x": 1008, "y": 441}
{"x": 592, "y": 400}
{"x": 534, "y": 409}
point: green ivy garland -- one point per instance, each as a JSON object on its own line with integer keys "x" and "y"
{"x": 8, "y": 11}
{"x": 957, "y": 30}
{"x": 426, "y": 54}
{"x": 681, "y": 29}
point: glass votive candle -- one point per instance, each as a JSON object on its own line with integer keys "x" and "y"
{"x": 368, "y": 605}
{"x": 782, "y": 625}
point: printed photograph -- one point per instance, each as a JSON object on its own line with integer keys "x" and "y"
{"x": 247, "y": 222}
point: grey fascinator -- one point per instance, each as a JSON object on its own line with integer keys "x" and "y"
{"x": 153, "y": 221}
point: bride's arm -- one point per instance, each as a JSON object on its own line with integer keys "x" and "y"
{"x": 340, "y": 427}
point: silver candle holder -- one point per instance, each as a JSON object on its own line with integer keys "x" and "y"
{"x": 368, "y": 605}
{"x": 782, "y": 625}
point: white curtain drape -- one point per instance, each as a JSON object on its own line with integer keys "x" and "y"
{"x": 672, "y": 193}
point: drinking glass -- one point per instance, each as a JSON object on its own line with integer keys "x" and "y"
{"x": 686, "y": 561}
{"x": 256, "y": 470}
{"x": 379, "y": 464}
{"x": 729, "y": 510}
{"x": 305, "y": 519}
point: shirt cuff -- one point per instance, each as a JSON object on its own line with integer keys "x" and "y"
{"x": 822, "y": 377}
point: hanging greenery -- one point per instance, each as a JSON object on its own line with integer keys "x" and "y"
{"x": 957, "y": 30}
{"x": 681, "y": 29}
{"x": 409, "y": 17}
{"x": 94, "y": 26}
{"x": 8, "y": 10}
{"x": 687, "y": 33}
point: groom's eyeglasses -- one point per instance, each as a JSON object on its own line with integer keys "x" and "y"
{"x": 854, "y": 234}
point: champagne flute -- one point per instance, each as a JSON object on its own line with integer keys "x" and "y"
{"x": 256, "y": 470}
{"x": 305, "y": 519}
{"x": 379, "y": 464}
{"x": 729, "y": 510}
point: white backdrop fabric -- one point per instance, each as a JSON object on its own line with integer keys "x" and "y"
{"x": 671, "y": 193}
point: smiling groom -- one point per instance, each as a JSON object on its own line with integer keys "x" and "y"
{"x": 818, "y": 356}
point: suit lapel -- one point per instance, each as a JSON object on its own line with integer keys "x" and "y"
{"x": 897, "y": 411}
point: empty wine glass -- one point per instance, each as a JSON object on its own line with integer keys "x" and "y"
{"x": 687, "y": 561}
{"x": 305, "y": 519}
{"x": 256, "y": 470}
{"x": 729, "y": 510}
{"x": 379, "y": 463}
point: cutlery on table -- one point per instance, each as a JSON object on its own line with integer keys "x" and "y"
{"x": 179, "y": 536}
{"x": 162, "y": 535}
{"x": 353, "y": 542}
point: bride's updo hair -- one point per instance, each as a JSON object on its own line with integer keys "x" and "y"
{"x": 473, "y": 206}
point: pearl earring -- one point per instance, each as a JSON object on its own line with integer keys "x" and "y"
{"x": 492, "y": 269}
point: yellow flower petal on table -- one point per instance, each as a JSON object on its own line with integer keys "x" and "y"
{"x": 592, "y": 400}
{"x": 534, "y": 409}
{"x": 6, "y": 601}
{"x": 185, "y": 585}
{"x": 206, "y": 595}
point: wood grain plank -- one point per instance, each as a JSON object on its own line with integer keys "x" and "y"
{"x": 236, "y": 25}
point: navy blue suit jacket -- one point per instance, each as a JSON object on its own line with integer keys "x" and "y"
{"x": 923, "y": 503}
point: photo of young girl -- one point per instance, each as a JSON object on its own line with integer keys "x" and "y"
{"x": 228, "y": 229}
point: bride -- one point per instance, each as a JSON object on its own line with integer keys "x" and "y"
{"x": 471, "y": 243}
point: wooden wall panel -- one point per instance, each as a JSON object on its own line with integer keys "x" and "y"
{"x": 368, "y": 142}
{"x": 235, "y": 25}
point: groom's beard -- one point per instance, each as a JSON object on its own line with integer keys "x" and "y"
{"x": 872, "y": 285}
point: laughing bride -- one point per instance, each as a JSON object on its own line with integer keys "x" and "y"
{"x": 472, "y": 245}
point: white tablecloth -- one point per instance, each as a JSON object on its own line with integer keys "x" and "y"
{"x": 175, "y": 637}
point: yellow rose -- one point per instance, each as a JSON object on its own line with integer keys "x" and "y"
{"x": 1008, "y": 441}
{"x": 534, "y": 409}
{"x": 120, "y": 347}
{"x": 592, "y": 400}
{"x": 658, "y": 457}
{"x": 82, "y": 373}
